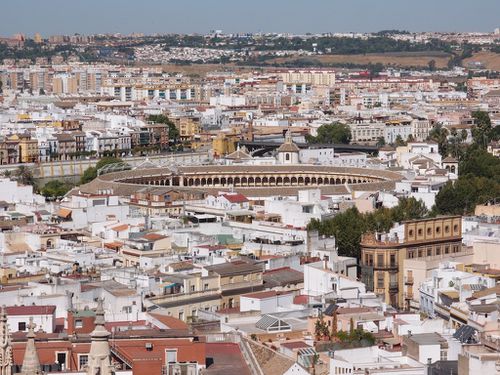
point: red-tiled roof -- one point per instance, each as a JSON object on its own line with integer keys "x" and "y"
{"x": 301, "y": 300}
{"x": 154, "y": 236}
{"x": 30, "y": 310}
{"x": 226, "y": 359}
{"x": 170, "y": 321}
{"x": 120, "y": 228}
{"x": 236, "y": 198}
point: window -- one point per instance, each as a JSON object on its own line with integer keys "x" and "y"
{"x": 127, "y": 309}
{"x": 447, "y": 229}
{"x": 438, "y": 230}
{"x": 393, "y": 260}
{"x": 205, "y": 287}
{"x": 455, "y": 228}
{"x": 170, "y": 355}
{"x": 380, "y": 280}
{"x": 287, "y": 157}
{"x": 410, "y": 232}
{"x": 21, "y": 326}
{"x": 429, "y": 251}
{"x": 446, "y": 249}
{"x": 61, "y": 359}
{"x": 83, "y": 360}
{"x": 78, "y": 323}
{"x": 420, "y": 232}
{"x": 192, "y": 288}
{"x": 380, "y": 260}
{"x": 370, "y": 260}
{"x": 429, "y": 231}
{"x": 444, "y": 355}
{"x": 438, "y": 250}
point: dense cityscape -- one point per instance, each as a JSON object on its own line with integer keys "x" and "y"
{"x": 250, "y": 203}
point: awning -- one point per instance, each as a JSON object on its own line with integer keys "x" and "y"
{"x": 65, "y": 213}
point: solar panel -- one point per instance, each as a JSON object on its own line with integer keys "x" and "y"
{"x": 465, "y": 334}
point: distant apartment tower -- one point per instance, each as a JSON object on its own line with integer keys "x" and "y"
{"x": 316, "y": 77}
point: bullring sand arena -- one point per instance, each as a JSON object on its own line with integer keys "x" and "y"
{"x": 251, "y": 180}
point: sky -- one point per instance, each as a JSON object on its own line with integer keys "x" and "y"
{"x": 50, "y": 17}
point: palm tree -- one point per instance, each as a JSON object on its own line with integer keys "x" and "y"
{"x": 25, "y": 176}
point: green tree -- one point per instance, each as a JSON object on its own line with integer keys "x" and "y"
{"x": 482, "y": 131}
{"x": 408, "y": 209}
{"x": 479, "y": 182}
{"x": 106, "y": 161}
{"x": 91, "y": 172}
{"x": 321, "y": 328}
{"x": 88, "y": 175}
{"x": 25, "y": 176}
{"x": 55, "y": 189}
{"x": 439, "y": 134}
{"x": 432, "y": 65}
{"x": 332, "y": 133}
{"x": 380, "y": 142}
{"x": 399, "y": 141}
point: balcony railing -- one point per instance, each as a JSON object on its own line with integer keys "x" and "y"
{"x": 393, "y": 285}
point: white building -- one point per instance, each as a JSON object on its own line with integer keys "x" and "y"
{"x": 448, "y": 283}
{"x": 81, "y": 210}
{"x": 319, "y": 279}
{"x": 43, "y": 316}
{"x": 266, "y": 302}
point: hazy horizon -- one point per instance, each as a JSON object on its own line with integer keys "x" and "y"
{"x": 196, "y": 16}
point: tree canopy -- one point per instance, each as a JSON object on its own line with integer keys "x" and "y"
{"x": 25, "y": 176}
{"x": 332, "y": 133}
{"x": 55, "y": 189}
{"x": 91, "y": 172}
{"x": 479, "y": 181}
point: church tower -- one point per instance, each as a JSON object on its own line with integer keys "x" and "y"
{"x": 99, "y": 356}
{"x": 31, "y": 362}
{"x": 288, "y": 152}
{"x": 5, "y": 347}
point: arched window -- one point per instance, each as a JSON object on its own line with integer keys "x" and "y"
{"x": 287, "y": 157}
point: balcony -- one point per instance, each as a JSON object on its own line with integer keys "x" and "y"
{"x": 386, "y": 266}
{"x": 393, "y": 285}
{"x": 408, "y": 280}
